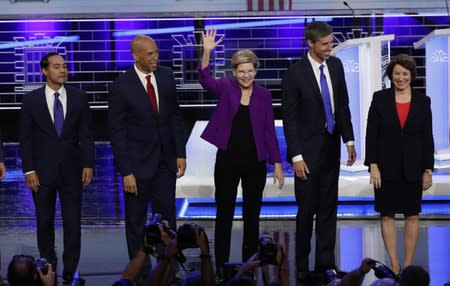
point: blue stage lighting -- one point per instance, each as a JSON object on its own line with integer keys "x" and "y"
{"x": 39, "y": 42}
{"x": 227, "y": 26}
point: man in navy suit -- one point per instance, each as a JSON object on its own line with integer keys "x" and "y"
{"x": 57, "y": 147}
{"x": 2, "y": 163}
{"x": 147, "y": 136}
{"x": 313, "y": 125}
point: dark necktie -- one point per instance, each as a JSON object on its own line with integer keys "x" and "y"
{"x": 151, "y": 94}
{"x": 326, "y": 101}
{"x": 58, "y": 114}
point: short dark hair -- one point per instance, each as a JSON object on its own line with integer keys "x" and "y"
{"x": 414, "y": 275}
{"x": 44, "y": 61}
{"x": 317, "y": 30}
{"x": 25, "y": 275}
{"x": 405, "y": 61}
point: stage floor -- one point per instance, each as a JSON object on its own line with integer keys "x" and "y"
{"x": 104, "y": 254}
{"x": 103, "y": 238}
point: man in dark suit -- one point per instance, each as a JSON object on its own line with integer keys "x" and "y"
{"x": 2, "y": 163}
{"x": 57, "y": 147}
{"x": 147, "y": 136}
{"x": 315, "y": 115}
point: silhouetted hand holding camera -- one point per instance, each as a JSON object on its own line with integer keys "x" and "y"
{"x": 48, "y": 278}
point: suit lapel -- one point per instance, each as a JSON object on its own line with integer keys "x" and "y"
{"x": 392, "y": 107}
{"x": 309, "y": 73}
{"x": 70, "y": 105}
{"x": 412, "y": 109}
{"x": 46, "y": 119}
{"x": 158, "y": 88}
{"x": 140, "y": 91}
{"x": 333, "y": 72}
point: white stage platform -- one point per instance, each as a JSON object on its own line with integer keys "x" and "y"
{"x": 198, "y": 181}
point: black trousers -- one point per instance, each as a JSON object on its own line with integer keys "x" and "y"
{"x": 318, "y": 196}
{"x": 159, "y": 191}
{"x": 227, "y": 174}
{"x": 70, "y": 197}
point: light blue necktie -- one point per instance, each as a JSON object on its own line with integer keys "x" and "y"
{"x": 58, "y": 114}
{"x": 326, "y": 101}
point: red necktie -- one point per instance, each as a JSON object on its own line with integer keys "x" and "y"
{"x": 151, "y": 94}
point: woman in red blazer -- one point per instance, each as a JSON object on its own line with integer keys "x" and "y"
{"x": 242, "y": 128}
{"x": 400, "y": 155}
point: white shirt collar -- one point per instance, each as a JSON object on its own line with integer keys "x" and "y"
{"x": 50, "y": 91}
{"x": 141, "y": 74}
{"x": 315, "y": 64}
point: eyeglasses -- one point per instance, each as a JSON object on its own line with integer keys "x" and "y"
{"x": 241, "y": 73}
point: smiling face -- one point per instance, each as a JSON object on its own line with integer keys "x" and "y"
{"x": 145, "y": 54}
{"x": 245, "y": 74}
{"x": 55, "y": 72}
{"x": 320, "y": 50}
{"x": 401, "y": 77}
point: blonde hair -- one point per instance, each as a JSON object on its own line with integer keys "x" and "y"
{"x": 243, "y": 57}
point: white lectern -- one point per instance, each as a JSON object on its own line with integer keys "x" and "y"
{"x": 437, "y": 45}
{"x": 364, "y": 61}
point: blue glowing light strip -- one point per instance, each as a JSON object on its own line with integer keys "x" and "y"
{"x": 259, "y": 23}
{"x": 153, "y": 31}
{"x": 317, "y": 17}
{"x": 38, "y": 42}
{"x": 228, "y": 26}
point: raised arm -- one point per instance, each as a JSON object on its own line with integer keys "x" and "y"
{"x": 209, "y": 43}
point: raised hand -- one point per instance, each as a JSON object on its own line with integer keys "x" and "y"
{"x": 209, "y": 39}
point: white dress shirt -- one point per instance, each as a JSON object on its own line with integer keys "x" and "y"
{"x": 316, "y": 68}
{"x": 142, "y": 76}
{"x": 50, "y": 98}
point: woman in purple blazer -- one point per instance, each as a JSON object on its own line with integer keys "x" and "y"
{"x": 242, "y": 128}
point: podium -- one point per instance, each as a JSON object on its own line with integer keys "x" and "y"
{"x": 365, "y": 61}
{"x": 437, "y": 44}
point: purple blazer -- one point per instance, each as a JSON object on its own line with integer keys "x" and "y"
{"x": 228, "y": 92}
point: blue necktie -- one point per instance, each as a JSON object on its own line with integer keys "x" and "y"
{"x": 326, "y": 101}
{"x": 58, "y": 114}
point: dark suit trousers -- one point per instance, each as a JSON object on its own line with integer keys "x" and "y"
{"x": 227, "y": 174}
{"x": 318, "y": 196}
{"x": 70, "y": 197}
{"x": 159, "y": 191}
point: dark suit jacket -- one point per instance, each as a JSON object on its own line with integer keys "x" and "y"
{"x": 400, "y": 152}
{"x": 137, "y": 133}
{"x": 303, "y": 111}
{"x": 43, "y": 150}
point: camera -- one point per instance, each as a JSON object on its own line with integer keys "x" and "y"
{"x": 152, "y": 233}
{"x": 330, "y": 275}
{"x": 186, "y": 237}
{"x": 382, "y": 271}
{"x": 268, "y": 250}
{"x": 42, "y": 264}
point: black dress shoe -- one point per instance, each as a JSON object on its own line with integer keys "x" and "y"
{"x": 67, "y": 278}
{"x": 73, "y": 279}
{"x": 220, "y": 279}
